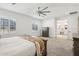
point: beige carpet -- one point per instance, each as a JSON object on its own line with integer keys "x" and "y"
{"x": 60, "y": 47}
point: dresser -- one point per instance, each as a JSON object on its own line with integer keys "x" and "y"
{"x": 76, "y": 44}
{"x": 45, "y": 32}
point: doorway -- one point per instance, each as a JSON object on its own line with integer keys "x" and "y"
{"x": 62, "y": 29}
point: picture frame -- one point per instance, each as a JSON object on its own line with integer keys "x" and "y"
{"x": 34, "y": 27}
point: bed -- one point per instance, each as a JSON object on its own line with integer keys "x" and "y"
{"x": 16, "y": 46}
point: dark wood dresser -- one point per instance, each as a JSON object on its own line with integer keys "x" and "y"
{"x": 45, "y": 32}
{"x": 76, "y": 45}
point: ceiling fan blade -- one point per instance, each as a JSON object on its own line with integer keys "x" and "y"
{"x": 44, "y": 8}
{"x": 39, "y": 14}
{"x": 73, "y": 12}
{"x": 43, "y": 14}
{"x": 46, "y": 11}
{"x": 13, "y": 3}
{"x": 38, "y": 8}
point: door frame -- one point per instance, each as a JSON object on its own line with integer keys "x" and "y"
{"x": 56, "y": 26}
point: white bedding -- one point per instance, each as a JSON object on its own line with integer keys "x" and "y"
{"x": 16, "y": 46}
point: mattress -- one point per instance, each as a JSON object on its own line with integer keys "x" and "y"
{"x": 16, "y": 46}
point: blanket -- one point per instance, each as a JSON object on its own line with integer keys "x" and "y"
{"x": 39, "y": 43}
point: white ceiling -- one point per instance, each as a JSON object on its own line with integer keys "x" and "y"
{"x": 57, "y": 9}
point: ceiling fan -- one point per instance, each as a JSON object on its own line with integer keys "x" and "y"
{"x": 42, "y": 11}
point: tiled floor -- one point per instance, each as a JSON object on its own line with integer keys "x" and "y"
{"x": 60, "y": 47}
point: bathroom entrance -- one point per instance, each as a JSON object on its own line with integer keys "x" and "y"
{"x": 62, "y": 28}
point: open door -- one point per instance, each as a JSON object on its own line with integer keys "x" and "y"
{"x": 62, "y": 29}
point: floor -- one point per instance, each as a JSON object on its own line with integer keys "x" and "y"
{"x": 62, "y": 36}
{"x": 60, "y": 47}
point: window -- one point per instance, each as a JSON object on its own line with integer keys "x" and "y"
{"x": 7, "y": 25}
{"x": 12, "y": 25}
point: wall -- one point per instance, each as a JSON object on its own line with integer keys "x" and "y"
{"x": 72, "y": 24}
{"x": 23, "y": 23}
{"x": 51, "y": 24}
{"x": 61, "y": 26}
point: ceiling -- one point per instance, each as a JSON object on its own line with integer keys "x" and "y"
{"x": 57, "y": 9}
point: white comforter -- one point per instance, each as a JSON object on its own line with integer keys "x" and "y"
{"x": 16, "y": 46}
